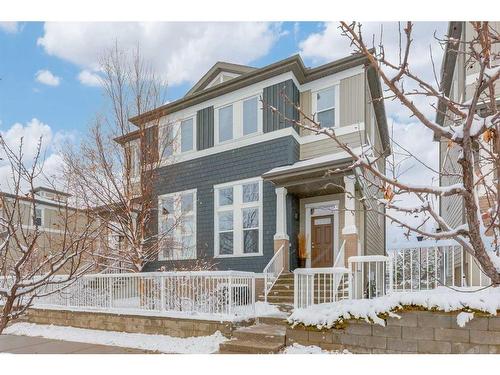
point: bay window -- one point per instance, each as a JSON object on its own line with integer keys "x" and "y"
{"x": 177, "y": 225}
{"x": 238, "y": 218}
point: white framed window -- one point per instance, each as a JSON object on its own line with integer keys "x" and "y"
{"x": 250, "y": 115}
{"x": 38, "y": 219}
{"x": 238, "y": 218}
{"x": 177, "y": 225}
{"x": 187, "y": 135}
{"x": 225, "y": 123}
{"x": 325, "y": 102}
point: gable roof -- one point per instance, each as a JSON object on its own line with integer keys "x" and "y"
{"x": 214, "y": 71}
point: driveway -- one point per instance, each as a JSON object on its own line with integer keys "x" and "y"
{"x": 39, "y": 345}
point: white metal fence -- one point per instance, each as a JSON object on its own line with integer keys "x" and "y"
{"x": 370, "y": 276}
{"x": 320, "y": 285}
{"x": 207, "y": 294}
{"x": 430, "y": 264}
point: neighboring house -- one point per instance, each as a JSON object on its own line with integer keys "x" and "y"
{"x": 246, "y": 182}
{"x": 48, "y": 211}
{"x": 458, "y": 78}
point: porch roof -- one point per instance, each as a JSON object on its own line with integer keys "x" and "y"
{"x": 313, "y": 175}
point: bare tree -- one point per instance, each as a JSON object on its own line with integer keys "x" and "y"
{"x": 474, "y": 129}
{"x": 114, "y": 169}
{"x": 36, "y": 262}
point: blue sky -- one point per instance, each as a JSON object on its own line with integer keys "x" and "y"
{"x": 71, "y": 105}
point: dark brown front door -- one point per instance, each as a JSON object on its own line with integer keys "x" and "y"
{"x": 322, "y": 241}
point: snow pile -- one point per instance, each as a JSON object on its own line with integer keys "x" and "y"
{"x": 312, "y": 349}
{"x": 464, "y": 317}
{"x": 328, "y": 315}
{"x": 160, "y": 343}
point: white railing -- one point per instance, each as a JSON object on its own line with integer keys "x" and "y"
{"x": 340, "y": 259}
{"x": 213, "y": 295}
{"x": 429, "y": 264}
{"x": 273, "y": 270}
{"x": 369, "y": 276}
{"x": 320, "y": 285}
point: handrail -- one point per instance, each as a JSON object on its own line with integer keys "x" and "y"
{"x": 340, "y": 255}
{"x": 271, "y": 264}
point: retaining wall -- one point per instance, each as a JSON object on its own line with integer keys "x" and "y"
{"x": 177, "y": 327}
{"x": 416, "y": 332}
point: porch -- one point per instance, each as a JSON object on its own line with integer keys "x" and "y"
{"x": 316, "y": 200}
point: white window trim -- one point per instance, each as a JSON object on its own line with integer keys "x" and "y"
{"x": 237, "y": 208}
{"x": 238, "y": 119}
{"x": 336, "y": 93}
{"x": 177, "y": 230}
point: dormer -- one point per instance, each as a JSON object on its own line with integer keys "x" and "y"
{"x": 219, "y": 73}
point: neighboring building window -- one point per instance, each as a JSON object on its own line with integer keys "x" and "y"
{"x": 250, "y": 116}
{"x": 325, "y": 107}
{"x": 238, "y": 218}
{"x": 226, "y": 123}
{"x": 187, "y": 135}
{"x": 177, "y": 225}
{"x": 38, "y": 219}
{"x": 134, "y": 161}
{"x": 168, "y": 141}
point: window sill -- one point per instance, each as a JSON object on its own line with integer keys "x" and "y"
{"x": 239, "y": 255}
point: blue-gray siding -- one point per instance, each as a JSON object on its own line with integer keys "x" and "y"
{"x": 276, "y": 96}
{"x": 205, "y": 128}
{"x": 203, "y": 173}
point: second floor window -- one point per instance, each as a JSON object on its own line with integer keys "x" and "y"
{"x": 226, "y": 123}
{"x": 187, "y": 135}
{"x": 38, "y": 219}
{"x": 250, "y": 118}
{"x": 325, "y": 107}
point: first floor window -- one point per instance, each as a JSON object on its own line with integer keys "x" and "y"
{"x": 238, "y": 227}
{"x": 177, "y": 225}
{"x": 325, "y": 107}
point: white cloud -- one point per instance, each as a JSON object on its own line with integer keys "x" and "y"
{"x": 179, "y": 51}
{"x": 9, "y": 27}
{"x": 89, "y": 78}
{"x": 47, "y": 78}
{"x": 32, "y": 133}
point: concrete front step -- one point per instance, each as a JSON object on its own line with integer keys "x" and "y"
{"x": 257, "y": 339}
{"x": 236, "y": 346}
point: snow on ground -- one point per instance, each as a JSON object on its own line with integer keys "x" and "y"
{"x": 444, "y": 299}
{"x": 267, "y": 309}
{"x": 160, "y": 343}
{"x": 312, "y": 349}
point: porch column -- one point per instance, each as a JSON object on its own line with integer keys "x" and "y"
{"x": 350, "y": 231}
{"x": 281, "y": 237}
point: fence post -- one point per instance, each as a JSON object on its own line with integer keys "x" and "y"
{"x": 350, "y": 286}
{"x": 253, "y": 296}
{"x": 110, "y": 293}
{"x": 391, "y": 274}
{"x": 230, "y": 307}
{"x": 265, "y": 287}
{"x": 295, "y": 290}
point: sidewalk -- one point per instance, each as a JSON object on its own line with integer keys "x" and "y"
{"x": 39, "y": 345}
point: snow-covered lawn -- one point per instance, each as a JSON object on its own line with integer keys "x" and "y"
{"x": 328, "y": 315}
{"x": 312, "y": 349}
{"x": 160, "y": 343}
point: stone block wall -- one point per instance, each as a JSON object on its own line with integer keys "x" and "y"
{"x": 176, "y": 327}
{"x": 416, "y": 332}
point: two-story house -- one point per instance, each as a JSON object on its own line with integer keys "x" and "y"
{"x": 247, "y": 181}
{"x": 458, "y": 80}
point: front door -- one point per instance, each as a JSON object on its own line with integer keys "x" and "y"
{"x": 322, "y": 241}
